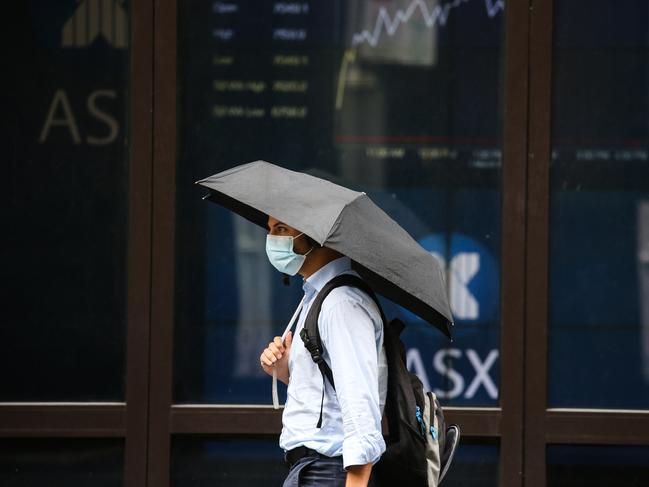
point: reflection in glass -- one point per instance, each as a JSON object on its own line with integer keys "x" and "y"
{"x": 65, "y": 181}
{"x": 202, "y": 463}
{"x": 643, "y": 277}
{"x": 335, "y": 89}
{"x": 55, "y": 462}
{"x": 474, "y": 466}
{"x": 597, "y": 466}
{"x": 209, "y": 463}
{"x": 599, "y": 289}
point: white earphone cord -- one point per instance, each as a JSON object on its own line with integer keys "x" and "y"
{"x": 288, "y": 328}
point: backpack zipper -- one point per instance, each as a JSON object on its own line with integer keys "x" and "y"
{"x": 420, "y": 420}
{"x": 433, "y": 404}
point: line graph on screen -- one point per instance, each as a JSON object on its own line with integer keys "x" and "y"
{"x": 436, "y": 15}
{"x": 388, "y": 24}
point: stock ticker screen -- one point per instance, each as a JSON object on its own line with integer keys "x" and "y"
{"x": 335, "y": 84}
{"x": 400, "y": 99}
{"x": 404, "y": 99}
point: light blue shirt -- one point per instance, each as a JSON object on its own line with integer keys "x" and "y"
{"x": 352, "y": 335}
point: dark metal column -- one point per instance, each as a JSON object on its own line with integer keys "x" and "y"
{"x": 536, "y": 336}
{"x": 163, "y": 253}
{"x": 139, "y": 243}
{"x": 515, "y": 142}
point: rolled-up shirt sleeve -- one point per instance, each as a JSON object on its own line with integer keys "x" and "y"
{"x": 348, "y": 333}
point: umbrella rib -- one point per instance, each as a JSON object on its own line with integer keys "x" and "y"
{"x": 336, "y": 222}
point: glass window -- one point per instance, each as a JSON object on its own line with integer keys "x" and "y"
{"x": 474, "y": 465}
{"x": 252, "y": 462}
{"x": 599, "y": 241}
{"x": 54, "y": 462}
{"x": 597, "y": 466}
{"x": 62, "y": 335}
{"x": 209, "y": 463}
{"x": 336, "y": 89}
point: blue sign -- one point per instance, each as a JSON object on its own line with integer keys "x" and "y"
{"x": 472, "y": 276}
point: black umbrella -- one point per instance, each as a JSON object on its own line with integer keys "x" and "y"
{"x": 382, "y": 252}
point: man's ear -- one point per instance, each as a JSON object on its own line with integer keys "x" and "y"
{"x": 312, "y": 242}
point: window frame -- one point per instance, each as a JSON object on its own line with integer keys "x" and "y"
{"x": 543, "y": 425}
{"x": 127, "y": 419}
{"x": 523, "y": 425}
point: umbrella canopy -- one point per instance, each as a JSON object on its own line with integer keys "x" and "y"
{"x": 347, "y": 221}
{"x": 385, "y": 200}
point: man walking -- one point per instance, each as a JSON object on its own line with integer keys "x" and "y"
{"x": 342, "y": 449}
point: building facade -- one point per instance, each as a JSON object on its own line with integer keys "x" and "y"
{"x": 509, "y": 138}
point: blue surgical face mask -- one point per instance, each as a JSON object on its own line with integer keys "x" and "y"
{"x": 280, "y": 253}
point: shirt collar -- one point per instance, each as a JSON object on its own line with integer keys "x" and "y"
{"x": 316, "y": 281}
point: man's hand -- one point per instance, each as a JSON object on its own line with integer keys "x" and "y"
{"x": 276, "y": 356}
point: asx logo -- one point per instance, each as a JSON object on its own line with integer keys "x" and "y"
{"x": 479, "y": 372}
{"x": 471, "y": 275}
{"x": 95, "y": 18}
{"x": 61, "y": 117}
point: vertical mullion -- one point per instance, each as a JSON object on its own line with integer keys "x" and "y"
{"x": 139, "y": 242}
{"x": 163, "y": 253}
{"x": 538, "y": 206}
{"x": 513, "y": 242}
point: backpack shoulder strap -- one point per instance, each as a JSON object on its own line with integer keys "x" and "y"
{"x": 310, "y": 334}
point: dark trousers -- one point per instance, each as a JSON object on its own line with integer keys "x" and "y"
{"x": 318, "y": 471}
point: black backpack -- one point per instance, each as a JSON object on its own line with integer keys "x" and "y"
{"x": 419, "y": 446}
